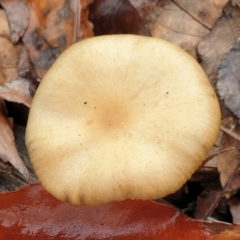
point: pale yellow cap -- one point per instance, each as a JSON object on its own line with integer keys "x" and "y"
{"x": 120, "y": 117}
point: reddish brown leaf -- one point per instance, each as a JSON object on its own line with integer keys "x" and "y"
{"x": 116, "y": 17}
{"x": 31, "y": 213}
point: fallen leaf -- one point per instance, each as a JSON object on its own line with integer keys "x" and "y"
{"x": 234, "y": 184}
{"x": 116, "y": 17}
{"x": 207, "y": 202}
{"x": 228, "y": 79}
{"x": 160, "y": 19}
{"x": 13, "y": 88}
{"x": 235, "y": 2}
{"x": 53, "y": 26}
{"x": 10, "y": 178}
{"x": 210, "y": 160}
{"x": 31, "y": 213}
{"x": 228, "y": 162}
{"x": 8, "y": 151}
{"x": 17, "y": 13}
{"x": 9, "y": 52}
{"x": 206, "y": 12}
{"x": 18, "y": 90}
{"x": 213, "y": 47}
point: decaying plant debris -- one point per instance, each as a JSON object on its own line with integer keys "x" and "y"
{"x": 33, "y": 33}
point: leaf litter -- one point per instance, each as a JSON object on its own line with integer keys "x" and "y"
{"x": 33, "y": 33}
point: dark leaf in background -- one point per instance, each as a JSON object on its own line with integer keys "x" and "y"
{"x": 116, "y": 17}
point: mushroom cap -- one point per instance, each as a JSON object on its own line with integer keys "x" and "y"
{"x": 120, "y": 117}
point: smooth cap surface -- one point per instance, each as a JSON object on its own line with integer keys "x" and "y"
{"x": 120, "y": 117}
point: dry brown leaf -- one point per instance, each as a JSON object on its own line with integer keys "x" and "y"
{"x": 14, "y": 58}
{"x": 234, "y": 184}
{"x": 9, "y": 53}
{"x": 217, "y": 149}
{"x": 12, "y": 88}
{"x": 235, "y": 2}
{"x": 207, "y": 202}
{"x": 8, "y": 151}
{"x": 206, "y": 12}
{"x": 213, "y": 47}
{"x": 170, "y": 22}
{"x": 24, "y": 66}
{"x": 228, "y": 79}
{"x": 53, "y": 26}
{"x": 17, "y": 13}
{"x": 148, "y": 10}
{"x": 228, "y": 162}
{"x": 18, "y": 90}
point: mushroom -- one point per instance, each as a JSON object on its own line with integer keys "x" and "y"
{"x": 120, "y": 117}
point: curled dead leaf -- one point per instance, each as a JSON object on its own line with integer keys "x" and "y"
{"x": 8, "y": 151}
{"x": 18, "y": 90}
